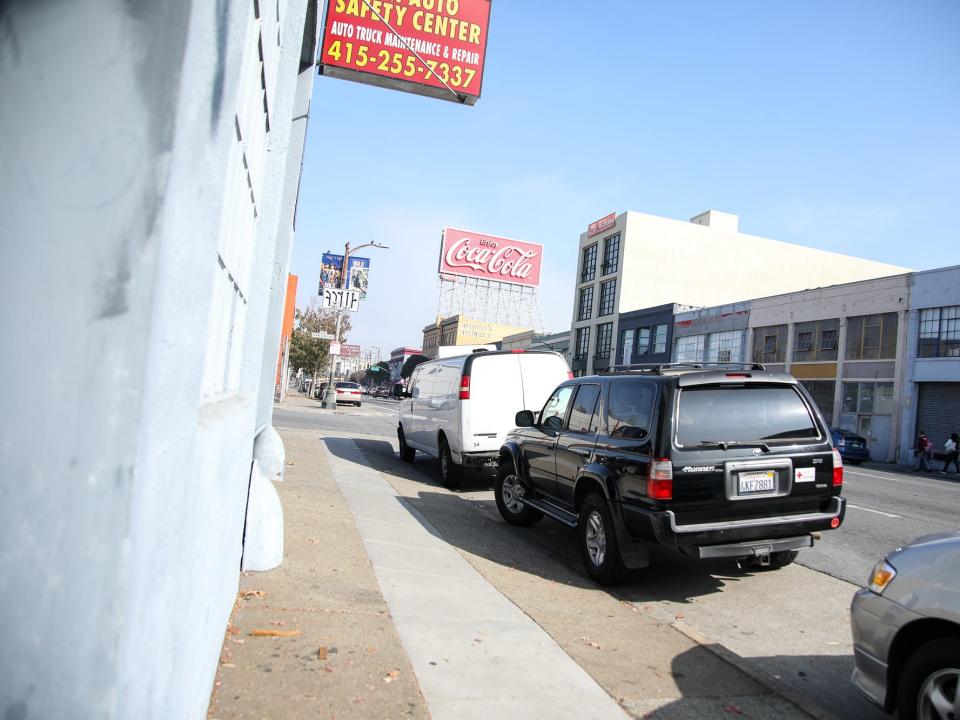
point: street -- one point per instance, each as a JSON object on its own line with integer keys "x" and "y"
{"x": 790, "y": 626}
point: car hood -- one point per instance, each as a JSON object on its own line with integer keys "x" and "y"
{"x": 928, "y": 576}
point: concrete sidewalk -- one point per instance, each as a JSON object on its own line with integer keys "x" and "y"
{"x": 375, "y": 614}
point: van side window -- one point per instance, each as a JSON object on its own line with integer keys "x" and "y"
{"x": 629, "y": 408}
{"x": 555, "y": 410}
{"x": 584, "y": 406}
{"x": 414, "y": 389}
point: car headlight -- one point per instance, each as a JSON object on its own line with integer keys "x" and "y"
{"x": 881, "y": 575}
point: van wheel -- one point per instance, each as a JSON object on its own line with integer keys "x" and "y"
{"x": 407, "y": 453}
{"x": 451, "y": 474}
{"x": 509, "y": 493}
{"x": 598, "y": 541}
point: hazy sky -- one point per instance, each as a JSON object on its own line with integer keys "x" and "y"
{"x": 829, "y": 124}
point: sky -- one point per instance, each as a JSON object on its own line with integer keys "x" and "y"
{"x": 834, "y": 125}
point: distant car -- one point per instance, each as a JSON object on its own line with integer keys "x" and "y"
{"x": 380, "y": 391}
{"x": 853, "y": 448}
{"x": 906, "y": 630}
{"x": 348, "y": 392}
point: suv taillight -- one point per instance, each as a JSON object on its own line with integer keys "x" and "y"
{"x": 837, "y": 468}
{"x": 660, "y": 479}
{"x": 465, "y": 387}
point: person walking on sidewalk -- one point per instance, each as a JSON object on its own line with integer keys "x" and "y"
{"x": 952, "y": 448}
{"x": 923, "y": 451}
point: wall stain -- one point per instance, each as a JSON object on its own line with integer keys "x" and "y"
{"x": 223, "y": 30}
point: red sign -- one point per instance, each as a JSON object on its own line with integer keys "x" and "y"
{"x": 349, "y": 351}
{"x": 601, "y": 225}
{"x": 489, "y": 257}
{"x": 429, "y": 47}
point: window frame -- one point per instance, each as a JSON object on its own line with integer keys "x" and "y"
{"x": 608, "y": 296}
{"x": 585, "y": 303}
{"x": 604, "y": 333}
{"x": 611, "y": 248}
{"x": 588, "y": 263}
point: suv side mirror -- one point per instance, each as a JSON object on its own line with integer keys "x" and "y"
{"x": 524, "y": 418}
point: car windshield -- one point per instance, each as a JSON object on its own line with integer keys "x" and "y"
{"x": 718, "y": 415}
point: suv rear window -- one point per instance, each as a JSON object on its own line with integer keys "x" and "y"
{"x": 743, "y": 414}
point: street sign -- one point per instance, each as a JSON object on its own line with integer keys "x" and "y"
{"x": 334, "y": 348}
{"x": 322, "y": 335}
{"x": 337, "y": 299}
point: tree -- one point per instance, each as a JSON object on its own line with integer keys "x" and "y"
{"x": 410, "y": 365}
{"x": 307, "y": 352}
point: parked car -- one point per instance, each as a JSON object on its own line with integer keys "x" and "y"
{"x": 320, "y": 391}
{"x": 348, "y": 392}
{"x": 906, "y": 630}
{"x": 853, "y": 448}
{"x": 380, "y": 391}
{"x": 460, "y": 409}
{"x": 719, "y": 463}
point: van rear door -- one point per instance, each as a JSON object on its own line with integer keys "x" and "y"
{"x": 541, "y": 374}
{"x": 495, "y": 396}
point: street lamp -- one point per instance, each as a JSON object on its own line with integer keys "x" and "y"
{"x": 330, "y": 397}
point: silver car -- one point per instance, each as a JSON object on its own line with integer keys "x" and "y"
{"x": 906, "y": 630}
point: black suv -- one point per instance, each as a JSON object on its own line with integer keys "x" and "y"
{"x": 722, "y": 462}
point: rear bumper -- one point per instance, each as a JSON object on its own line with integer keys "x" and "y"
{"x": 751, "y": 548}
{"x": 661, "y": 526}
{"x": 481, "y": 459}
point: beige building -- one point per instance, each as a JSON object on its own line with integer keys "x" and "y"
{"x": 461, "y": 330}
{"x": 643, "y": 261}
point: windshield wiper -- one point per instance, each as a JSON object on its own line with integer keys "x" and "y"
{"x": 725, "y": 444}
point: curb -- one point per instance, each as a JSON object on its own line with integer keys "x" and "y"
{"x": 774, "y": 685}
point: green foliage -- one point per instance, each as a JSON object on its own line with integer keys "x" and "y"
{"x": 305, "y": 351}
{"x": 411, "y": 364}
{"x": 378, "y": 372}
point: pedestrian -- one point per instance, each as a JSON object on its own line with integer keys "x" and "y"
{"x": 923, "y": 452}
{"x": 952, "y": 448}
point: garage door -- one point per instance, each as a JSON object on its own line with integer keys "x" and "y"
{"x": 938, "y": 411}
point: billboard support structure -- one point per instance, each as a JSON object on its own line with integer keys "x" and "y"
{"x": 490, "y": 301}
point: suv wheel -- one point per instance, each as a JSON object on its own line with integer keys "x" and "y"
{"x": 407, "y": 453}
{"x": 451, "y": 474}
{"x": 509, "y": 493}
{"x": 598, "y": 541}
{"x": 930, "y": 682}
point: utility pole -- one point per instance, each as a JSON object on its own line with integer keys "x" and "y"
{"x": 330, "y": 397}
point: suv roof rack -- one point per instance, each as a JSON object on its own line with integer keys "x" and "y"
{"x": 660, "y": 368}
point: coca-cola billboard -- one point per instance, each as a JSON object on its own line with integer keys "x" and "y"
{"x": 489, "y": 257}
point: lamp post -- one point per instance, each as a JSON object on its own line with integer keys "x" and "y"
{"x": 330, "y": 396}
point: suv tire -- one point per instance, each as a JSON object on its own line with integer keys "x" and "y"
{"x": 407, "y": 453}
{"x": 597, "y": 538}
{"x": 931, "y": 666}
{"x": 510, "y": 502}
{"x": 451, "y": 474}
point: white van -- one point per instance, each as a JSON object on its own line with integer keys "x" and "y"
{"x": 460, "y": 409}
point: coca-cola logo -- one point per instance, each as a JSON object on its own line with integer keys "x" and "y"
{"x": 489, "y": 256}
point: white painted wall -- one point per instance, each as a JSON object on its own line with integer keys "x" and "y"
{"x": 124, "y": 474}
{"x": 667, "y": 261}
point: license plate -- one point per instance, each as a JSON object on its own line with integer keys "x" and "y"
{"x": 753, "y": 483}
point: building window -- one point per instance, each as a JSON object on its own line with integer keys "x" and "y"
{"x": 725, "y": 347}
{"x": 770, "y": 344}
{"x": 652, "y": 340}
{"x": 815, "y": 340}
{"x": 822, "y": 392}
{"x": 611, "y": 254}
{"x": 608, "y": 291}
{"x": 585, "y": 306}
{"x": 939, "y": 332}
{"x": 643, "y": 341}
{"x": 588, "y": 269}
{"x": 659, "y": 339}
{"x": 582, "y": 345}
{"x": 626, "y": 346}
{"x": 689, "y": 349}
{"x": 861, "y": 401}
{"x": 604, "y": 336}
{"x": 872, "y": 337}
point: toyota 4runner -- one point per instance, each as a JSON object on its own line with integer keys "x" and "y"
{"x": 720, "y": 462}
